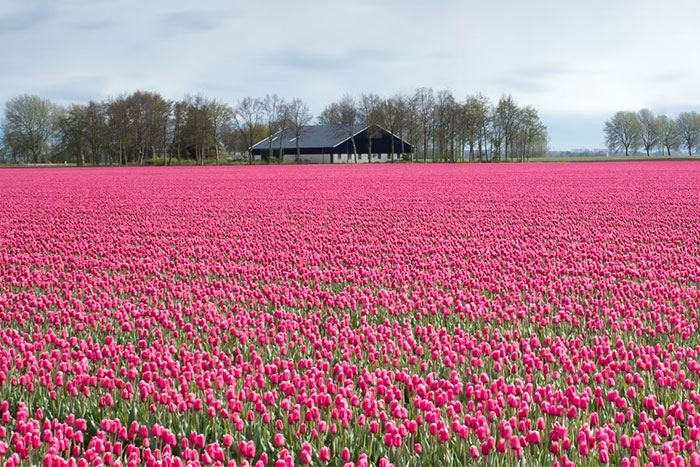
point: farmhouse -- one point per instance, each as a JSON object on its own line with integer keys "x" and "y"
{"x": 331, "y": 144}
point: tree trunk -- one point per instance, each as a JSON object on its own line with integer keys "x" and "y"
{"x": 392, "y": 147}
{"x": 281, "y": 153}
{"x": 369, "y": 146}
{"x": 298, "y": 151}
{"x": 217, "y": 153}
{"x": 354, "y": 147}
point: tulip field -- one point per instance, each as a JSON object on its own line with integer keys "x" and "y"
{"x": 407, "y": 315}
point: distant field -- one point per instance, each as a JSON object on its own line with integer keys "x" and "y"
{"x": 616, "y": 158}
{"x": 537, "y": 159}
{"x": 407, "y": 315}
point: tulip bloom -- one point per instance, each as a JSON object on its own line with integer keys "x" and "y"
{"x": 506, "y": 306}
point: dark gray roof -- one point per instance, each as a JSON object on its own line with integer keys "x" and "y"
{"x": 312, "y": 136}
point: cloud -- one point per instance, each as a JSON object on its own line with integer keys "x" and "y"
{"x": 666, "y": 77}
{"x": 304, "y": 60}
{"x": 77, "y": 89}
{"x": 521, "y": 84}
{"x": 99, "y": 25}
{"x": 530, "y": 79}
{"x": 194, "y": 20}
{"x": 24, "y": 21}
{"x": 324, "y": 60}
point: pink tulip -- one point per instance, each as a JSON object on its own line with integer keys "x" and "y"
{"x": 500, "y": 304}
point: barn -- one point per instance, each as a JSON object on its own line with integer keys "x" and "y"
{"x": 332, "y": 144}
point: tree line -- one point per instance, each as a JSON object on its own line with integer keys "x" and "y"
{"x": 145, "y": 128}
{"x": 629, "y": 132}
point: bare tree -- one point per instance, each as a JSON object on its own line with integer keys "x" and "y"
{"x": 424, "y": 101}
{"x": 445, "y": 117}
{"x": 96, "y": 129}
{"x": 299, "y": 117}
{"x": 495, "y": 135}
{"x": 623, "y": 131}
{"x": 147, "y": 114}
{"x": 649, "y": 133}
{"x": 369, "y": 111}
{"x": 393, "y": 113}
{"x": 221, "y": 118}
{"x": 29, "y": 125}
{"x": 283, "y": 124}
{"x": 248, "y": 119}
{"x": 506, "y": 115}
{"x": 411, "y": 124}
{"x": 669, "y": 138}
{"x": 198, "y": 132}
{"x": 176, "y": 127}
{"x": 344, "y": 114}
{"x": 530, "y": 136}
{"x": 474, "y": 119}
{"x": 272, "y": 105}
{"x": 483, "y": 121}
{"x": 72, "y": 134}
{"x": 157, "y": 128}
{"x": 688, "y": 124}
{"x": 118, "y": 127}
{"x": 137, "y": 111}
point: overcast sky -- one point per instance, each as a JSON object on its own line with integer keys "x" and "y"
{"x": 575, "y": 61}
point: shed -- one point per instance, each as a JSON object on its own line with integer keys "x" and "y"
{"x": 333, "y": 144}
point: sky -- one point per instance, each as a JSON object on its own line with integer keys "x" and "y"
{"x": 577, "y": 62}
